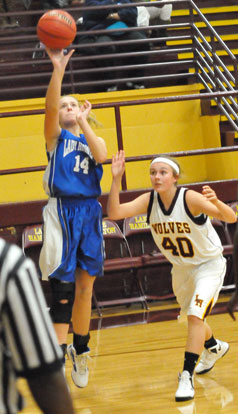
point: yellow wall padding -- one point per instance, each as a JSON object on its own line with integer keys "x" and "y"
{"x": 146, "y": 129}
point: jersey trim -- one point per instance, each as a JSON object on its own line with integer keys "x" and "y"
{"x": 171, "y": 207}
{"x": 199, "y": 220}
{"x": 150, "y": 206}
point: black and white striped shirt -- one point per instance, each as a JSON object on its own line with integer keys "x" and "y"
{"x": 28, "y": 343}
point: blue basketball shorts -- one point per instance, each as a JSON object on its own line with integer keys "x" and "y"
{"x": 72, "y": 238}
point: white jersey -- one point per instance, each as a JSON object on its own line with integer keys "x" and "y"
{"x": 182, "y": 238}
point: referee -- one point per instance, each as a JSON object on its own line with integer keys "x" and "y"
{"x": 28, "y": 344}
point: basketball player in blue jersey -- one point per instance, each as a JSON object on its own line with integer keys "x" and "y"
{"x": 72, "y": 251}
{"x": 180, "y": 226}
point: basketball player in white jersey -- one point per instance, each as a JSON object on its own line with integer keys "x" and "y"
{"x": 181, "y": 228}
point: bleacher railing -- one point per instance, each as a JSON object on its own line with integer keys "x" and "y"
{"x": 120, "y": 145}
{"x": 220, "y": 83}
{"x": 198, "y": 56}
{"x": 212, "y": 71}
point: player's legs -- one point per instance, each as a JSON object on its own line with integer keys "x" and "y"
{"x": 198, "y": 332}
{"x": 57, "y": 264}
{"x": 81, "y": 314}
{"x": 90, "y": 256}
{"x": 205, "y": 284}
{"x": 61, "y": 330}
{"x": 214, "y": 349}
{"x": 78, "y": 352}
{"x": 90, "y": 260}
{"x": 61, "y": 309}
{"x": 74, "y": 227}
{"x": 209, "y": 280}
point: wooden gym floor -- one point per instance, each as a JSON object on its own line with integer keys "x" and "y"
{"x": 135, "y": 359}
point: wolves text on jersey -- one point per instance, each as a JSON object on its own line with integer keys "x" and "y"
{"x": 171, "y": 227}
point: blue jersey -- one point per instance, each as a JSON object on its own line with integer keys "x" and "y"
{"x": 72, "y": 170}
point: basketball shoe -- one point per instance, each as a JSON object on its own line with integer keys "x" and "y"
{"x": 185, "y": 389}
{"x": 210, "y": 356}
{"x": 80, "y": 367}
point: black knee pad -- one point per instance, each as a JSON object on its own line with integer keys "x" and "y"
{"x": 61, "y": 312}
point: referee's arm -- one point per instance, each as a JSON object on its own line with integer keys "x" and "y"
{"x": 31, "y": 338}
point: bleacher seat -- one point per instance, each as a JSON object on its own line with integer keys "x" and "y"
{"x": 120, "y": 284}
{"x": 156, "y": 270}
{"x": 32, "y": 242}
{"x": 227, "y": 245}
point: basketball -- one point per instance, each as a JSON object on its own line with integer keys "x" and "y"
{"x": 56, "y": 29}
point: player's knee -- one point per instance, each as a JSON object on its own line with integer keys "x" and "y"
{"x": 195, "y": 320}
{"x": 62, "y": 301}
{"x": 84, "y": 292}
{"x": 84, "y": 287}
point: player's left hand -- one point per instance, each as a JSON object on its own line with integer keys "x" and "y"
{"x": 118, "y": 164}
{"x": 209, "y": 194}
{"x": 232, "y": 304}
{"x": 84, "y": 112}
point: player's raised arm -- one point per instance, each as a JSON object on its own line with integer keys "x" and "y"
{"x": 115, "y": 210}
{"x": 52, "y": 128}
{"x": 96, "y": 144}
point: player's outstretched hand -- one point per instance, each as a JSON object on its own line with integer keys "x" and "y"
{"x": 232, "y": 304}
{"x": 58, "y": 57}
{"x": 118, "y": 164}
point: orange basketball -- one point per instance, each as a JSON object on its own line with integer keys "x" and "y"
{"x": 56, "y": 29}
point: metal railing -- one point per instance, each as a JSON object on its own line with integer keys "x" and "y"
{"x": 31, "y": 77}
{"x": 221, "y": 84}
{"x": 212, "y": 71}
{"x": 204, "y": 58}
{"x": 120, "y": 144}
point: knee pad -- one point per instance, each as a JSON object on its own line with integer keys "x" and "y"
{"x": 61, "y": 292}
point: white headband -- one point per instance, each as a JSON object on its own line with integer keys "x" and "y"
{"x": 167, "y": 161}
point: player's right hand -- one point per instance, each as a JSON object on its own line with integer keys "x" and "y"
{"x": 58, "y": 58}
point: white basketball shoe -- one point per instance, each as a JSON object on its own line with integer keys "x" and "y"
{"x": 80, "y": 366}
{"x": 185, "y": 390}
{"x": 210, "y": 356}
